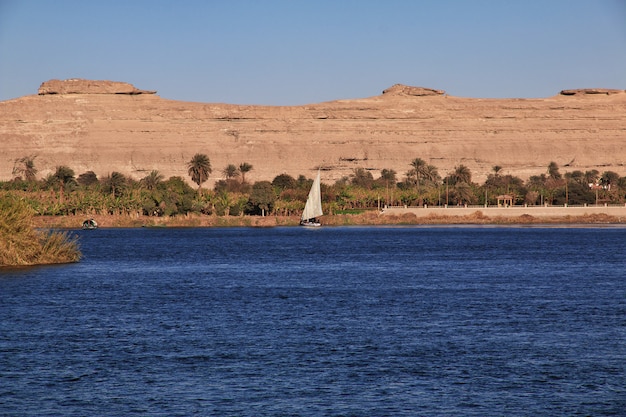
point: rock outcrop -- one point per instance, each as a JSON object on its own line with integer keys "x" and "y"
{"x": 583, "y": 91}
{"x": 105, "y": 127}
{"x": 407, "y": 90}
{"x": 81, "y": 86}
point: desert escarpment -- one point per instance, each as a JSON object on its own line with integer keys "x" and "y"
{"x": 107, "y": 126}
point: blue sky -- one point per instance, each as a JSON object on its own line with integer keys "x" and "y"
{"x": 289, "y": 52}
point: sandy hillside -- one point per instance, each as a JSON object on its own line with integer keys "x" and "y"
{"x": 107, "y": 126}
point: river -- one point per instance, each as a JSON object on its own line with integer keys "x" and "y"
{"x": 335, "y": 321}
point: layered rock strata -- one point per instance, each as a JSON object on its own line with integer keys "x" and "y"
{"x": 106, "y": 127}
{"x": 81, "y": 86}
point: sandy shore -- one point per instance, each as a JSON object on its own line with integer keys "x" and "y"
{"x": 389, "y": 216}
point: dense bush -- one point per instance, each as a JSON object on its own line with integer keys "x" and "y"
{"x": 21, "y": 244}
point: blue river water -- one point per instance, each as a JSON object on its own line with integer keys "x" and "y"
{"x": 346, "y": 321}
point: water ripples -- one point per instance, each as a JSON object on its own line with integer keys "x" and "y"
{"x": 342, "y": 321}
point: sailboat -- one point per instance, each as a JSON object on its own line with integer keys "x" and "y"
{"x": 313, "y": 206}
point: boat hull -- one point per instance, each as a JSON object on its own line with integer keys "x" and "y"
{"x": 90, "y": 224}
{"x": 306, "y": 223}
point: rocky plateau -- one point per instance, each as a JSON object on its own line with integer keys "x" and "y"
{"x": 107, "y": 126}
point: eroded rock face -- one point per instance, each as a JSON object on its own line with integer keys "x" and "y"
{"x": 103, "y": 127}
{"x": 81, "y": 86}
{"x": 585, "y": 91}
{"x": 407, "y": 90}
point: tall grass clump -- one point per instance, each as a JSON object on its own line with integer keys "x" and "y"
{"x": 22, "y": 244}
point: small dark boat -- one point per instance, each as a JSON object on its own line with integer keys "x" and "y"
{"x": 90, "y": 224}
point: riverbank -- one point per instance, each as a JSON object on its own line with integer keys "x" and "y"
{"x": 389, "y": 216}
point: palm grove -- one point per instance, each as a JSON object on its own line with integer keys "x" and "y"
{"x": 63, "y": 192}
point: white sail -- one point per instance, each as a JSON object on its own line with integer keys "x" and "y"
{"x": 313, "y": 206}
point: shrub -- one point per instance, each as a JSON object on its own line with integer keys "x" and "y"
{"x": 21, "y": 244}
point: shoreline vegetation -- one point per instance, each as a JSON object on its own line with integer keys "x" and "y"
{"x": 477, "y": 216}
{"x": 32, "y": 211}
{"x": 22, "y": 244}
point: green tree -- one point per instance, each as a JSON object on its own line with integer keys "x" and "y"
{"x": 536, "y": 186}
{"x": 609, "y": 179}
{"x": 576, "y": 176}
{"x": 553, "y": 171}
{"x": 577, "y": 193}
{"x": 284, "y": 182}
{"x": 611, "y": 190}
{"x": 87, "y": 179}
{"x": 504, "y": 184}
{"x": 199, "y": 169}
{"x": 177, "y": 196}
{"x": 262, "y": 198}
{"x": 303, "y": 182}
{"x": 591, "y": 176}
{"x": 387, "y": 181}
{"x": 362, "y": 178}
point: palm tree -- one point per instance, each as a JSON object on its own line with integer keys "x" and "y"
{"x": 431, "y": 173}
{"x": 231, "y": 171}
{"x": 223, "y": 203}
{"x": 388, "y": 175}
{"x": 64, "y": 176}
{"x": 463, "y": 193}
{"x": 462, "y": 174}
{"x": 115, "y": 183}
{"x": 26, "y": 167}
{"x": 243, "y": 168}
{"x": 152, "y": 180}
{"x": 199, "y": 169}
{"x": 419, "y": 166}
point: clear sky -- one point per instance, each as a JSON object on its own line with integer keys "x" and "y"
{"x": 287, "y": 52}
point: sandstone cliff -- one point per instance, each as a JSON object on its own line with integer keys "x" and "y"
{"x": 105, "y": 127}
{"x": 81, "y": 86}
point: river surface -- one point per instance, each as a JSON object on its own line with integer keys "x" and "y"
{"x": 346, "y": 321}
